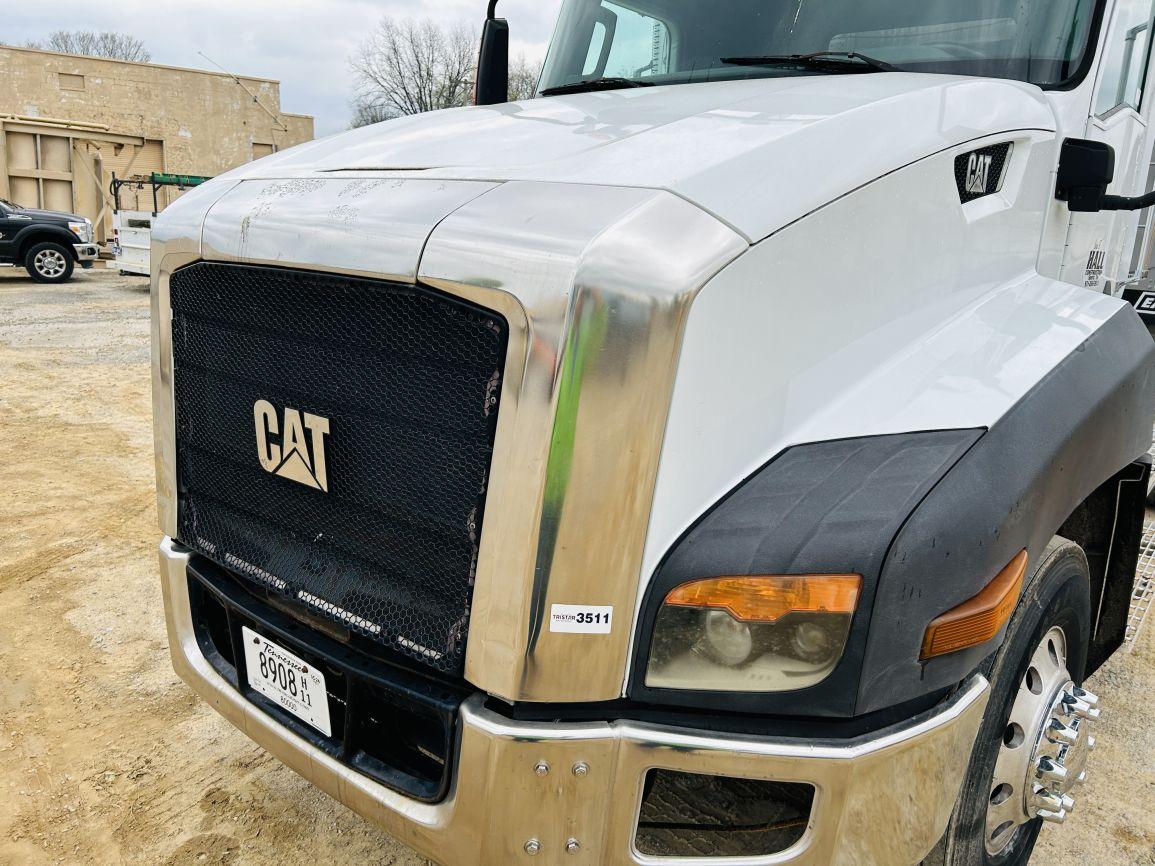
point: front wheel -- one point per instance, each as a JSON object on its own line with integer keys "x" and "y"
{"x": 49, "y": 262}
{"x": 1035, "y": 739}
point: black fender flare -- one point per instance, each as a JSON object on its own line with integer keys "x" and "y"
{"x": 1083, "y": 425}
{"x": 40, "y": 232}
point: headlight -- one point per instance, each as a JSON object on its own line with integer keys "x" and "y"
{"x": 82, "y": 230}
{"x": 752, "y": 634}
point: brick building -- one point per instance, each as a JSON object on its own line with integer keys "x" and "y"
{"x": 67, "y": 123}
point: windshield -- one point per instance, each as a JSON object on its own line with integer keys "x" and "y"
{"x": 679, "y": 41}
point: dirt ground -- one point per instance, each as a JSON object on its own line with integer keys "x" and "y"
{"x": 106, "y": 758}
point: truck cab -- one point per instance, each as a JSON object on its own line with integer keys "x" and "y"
{"x": 735, "y": 454}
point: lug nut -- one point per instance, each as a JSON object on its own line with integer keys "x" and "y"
{"x": 573, "y": 846}
{"x": 1053, "y": 817}
{"x": 1080, "y": 708}
{"x": 1086, "y": 711}
{"x": 581, "y": 769}
{"x": 1057, "y": 732}
{"x": 1086, "y": 697}
{"x": 1068, "y": 803}
{"x": 1047, "y": 800}
{"x": 1048, "y": 771}
{"x": 541, "y": 768}
{"x": 1090, "y": 743}
{"x": 1081, "y": 778}
{"x": 532, "y": 847}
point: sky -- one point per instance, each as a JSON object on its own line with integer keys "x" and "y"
{"x": 305, "y": 44}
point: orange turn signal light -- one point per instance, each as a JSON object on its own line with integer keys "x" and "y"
{"x": 769, "y": 598}
{"x": 979, "y": 619}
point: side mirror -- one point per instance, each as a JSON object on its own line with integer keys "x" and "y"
{"x": 1086, "y": 169}
{"x": 492, "y": 86}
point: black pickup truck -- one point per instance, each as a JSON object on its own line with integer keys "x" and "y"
{"x": 48, "y": 244}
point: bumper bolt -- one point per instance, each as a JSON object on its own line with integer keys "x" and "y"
{"x": 532, "y": 847}
{"x": 581, "y": 769}
{"x": 572, "y": 846}
{"x": 541, "y": 768}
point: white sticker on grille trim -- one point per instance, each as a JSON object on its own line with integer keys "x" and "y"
{"x": 581, "y": 618}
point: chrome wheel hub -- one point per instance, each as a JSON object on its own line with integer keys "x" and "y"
{"x": 1045, "y": 746}
{"x": 49, "y": 263}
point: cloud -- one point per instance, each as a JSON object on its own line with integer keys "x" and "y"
{"x": 305, "y": 44}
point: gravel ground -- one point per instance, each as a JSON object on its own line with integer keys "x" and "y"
{"x": 106, "y": 758}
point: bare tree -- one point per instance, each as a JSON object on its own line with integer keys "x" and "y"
{"x": 523, "y": 78}
{"x": 407, "y": 67}
{"x": 365, "y": 113}
{"x": 117, "y": 46}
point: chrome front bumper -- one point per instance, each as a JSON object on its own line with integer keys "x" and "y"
{"x": 86, "y": 252}
{"x": 884, "y": 800}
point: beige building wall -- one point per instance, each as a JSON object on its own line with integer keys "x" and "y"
{"x": 67, "y": 122}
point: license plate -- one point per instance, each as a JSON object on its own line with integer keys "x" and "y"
{"x": 288, "y": 681}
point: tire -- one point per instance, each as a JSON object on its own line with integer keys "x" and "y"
{"x": 49, "y": 262}
{"x": 1058, "y": 595}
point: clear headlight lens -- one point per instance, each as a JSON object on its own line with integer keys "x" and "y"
{"x": 82, "y": 230}
{"x": 752, "y": 634}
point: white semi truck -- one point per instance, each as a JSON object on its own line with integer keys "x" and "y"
{"x": 736, "y": 454}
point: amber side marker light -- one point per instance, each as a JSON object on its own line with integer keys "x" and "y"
{"x": 769, "y": 598}
{"x": 978, "y": 619}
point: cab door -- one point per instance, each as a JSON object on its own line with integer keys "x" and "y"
{"x": 1101, "y": 246}
{"x": 10, "y": 224}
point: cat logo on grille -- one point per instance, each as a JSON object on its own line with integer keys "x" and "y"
{"x": 978, "y": 173}
{"x": 297, "y": 457}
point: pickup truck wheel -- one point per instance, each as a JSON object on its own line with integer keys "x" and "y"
{"x": 1029, "y": 756}
{"x": 49, "y": 262}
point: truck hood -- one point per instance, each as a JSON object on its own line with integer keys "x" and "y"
{"x": 756, "y": 153}
{"x": 48, "y": 215}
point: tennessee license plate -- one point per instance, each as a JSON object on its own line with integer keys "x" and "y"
{"x": 288, "y": 681}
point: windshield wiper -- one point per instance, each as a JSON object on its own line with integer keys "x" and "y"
{"x": 842, "y": 61}
{"x": 594, "y": 84}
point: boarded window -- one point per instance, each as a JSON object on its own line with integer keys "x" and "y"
{"x": 68, "y": 81}
{"x": 40, "y": 170}
{"x": 260, "y": 149}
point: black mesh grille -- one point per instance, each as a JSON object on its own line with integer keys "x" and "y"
{"x": 980, "y": 172}
{"x": 408, "y": 380}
